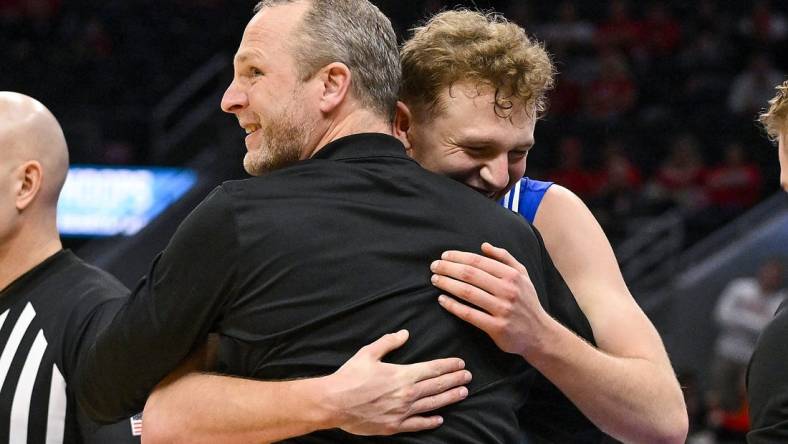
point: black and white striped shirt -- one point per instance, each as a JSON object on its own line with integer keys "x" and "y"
{"x": 46, "y": 317}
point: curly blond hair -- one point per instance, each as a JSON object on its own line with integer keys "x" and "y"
{"x": 775, "y": 119}
{"x": 485, "y": 48}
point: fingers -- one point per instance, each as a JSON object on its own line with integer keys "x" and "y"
{"x": 433, "y": 369}
{"x": 434, "y": 402}
{"x": 386, "y": 344}
{"x": 502, "y": 255}
{"x": 477, "y": 318}
{"x": 469, "y": 274}
{"x": 477, "y": 261}
{"x": 471, "y": 293}
{"x": 442, "y": 399}
{"x": 441, "y": 384}
{"x": 417, "y": 423}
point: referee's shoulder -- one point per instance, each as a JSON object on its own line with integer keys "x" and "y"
{"x": 90, "y": 280}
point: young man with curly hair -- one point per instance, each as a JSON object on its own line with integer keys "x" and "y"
{"x": 473, "y": 89}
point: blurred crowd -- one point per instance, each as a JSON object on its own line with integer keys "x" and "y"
{"x": 718, "y": 408}
{"x": 654, "y": 106}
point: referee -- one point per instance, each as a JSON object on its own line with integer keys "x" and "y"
{"x": 51, "y": 303}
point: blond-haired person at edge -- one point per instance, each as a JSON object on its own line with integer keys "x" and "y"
{"x": 767, "y": 377}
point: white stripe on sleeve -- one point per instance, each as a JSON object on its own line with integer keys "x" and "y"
{"x": 20, "y": 409}
{"x": 56, "y": 417}
{"x": 516, "y": 201}
{"x": 13, "y": 341}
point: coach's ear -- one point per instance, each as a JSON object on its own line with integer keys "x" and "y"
{"x": 335, "y": 81}
{"x": 401, "y": 126}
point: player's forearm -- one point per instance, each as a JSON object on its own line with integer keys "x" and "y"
{"x": 631, "y": 399}
{"x": 196, "y": 409}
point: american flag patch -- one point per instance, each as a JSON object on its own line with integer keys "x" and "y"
{"x": 136, "y": 424}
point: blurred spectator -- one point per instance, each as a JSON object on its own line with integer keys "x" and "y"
{"x": 620, "y": 29}
{"x": 661, "y": 31}
{"x": 734, "y": 185}
{"x": 679, "y": 179}
{"x": 566, "y": 98}
{"x": 709, "y": 15}
{"x": 568, "y": 30}
{"x": 754, "y": 86}
{"x": 570, "y": 172}
{"x": 617, "y": 189}
{"x": 705, "y": 60}
{"x": 743, "y": 310}
{"x": 707, "y": 50}
{"x": 613, "y": 92}
{"x": 618, "y": 175}
{"x": 764, "y": 24}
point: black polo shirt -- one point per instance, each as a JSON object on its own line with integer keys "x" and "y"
{"x": 298, "y": 269}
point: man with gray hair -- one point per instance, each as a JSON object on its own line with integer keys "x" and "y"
{"x": 327, "y": 249}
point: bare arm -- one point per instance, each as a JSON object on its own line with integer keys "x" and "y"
{"x": 364, "y": 397}
{"x": 625, "y": 385}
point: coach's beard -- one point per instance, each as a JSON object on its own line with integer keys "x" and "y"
{"x": 280, "y": 145}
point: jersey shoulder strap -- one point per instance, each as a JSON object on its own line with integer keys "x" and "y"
{"x": 524, "y": 198}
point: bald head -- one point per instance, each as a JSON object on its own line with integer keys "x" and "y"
{"x": 29, "y": 132}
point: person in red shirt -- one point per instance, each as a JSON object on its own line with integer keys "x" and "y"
{"x": 571, "y": 172}
{"x": 620, "y": 30}
{"x": 613, "y": 93}
{"x": 735, "y": 184}
{"x": 679, "y": 179}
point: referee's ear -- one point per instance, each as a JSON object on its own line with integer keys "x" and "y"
{"x": 401, "y": 126}
{"x": 28, "y": 183}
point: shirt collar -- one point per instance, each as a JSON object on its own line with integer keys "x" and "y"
{"x": 43, "y": 268}
{"x": 362, "y": 145}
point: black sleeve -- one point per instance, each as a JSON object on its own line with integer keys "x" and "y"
{"x": 100, "y": 297}
{"x": 91, "y": 432}
{"x": 171, "y": 311}
{"x": 118, "y": 433}
{"x": 767, "y": 384}
{"x": 98, "y": 302}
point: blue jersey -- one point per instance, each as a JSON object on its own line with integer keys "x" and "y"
{"x": 524, "y": 198}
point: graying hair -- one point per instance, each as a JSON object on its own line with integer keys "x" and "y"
{"x": 356, "y": 33}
